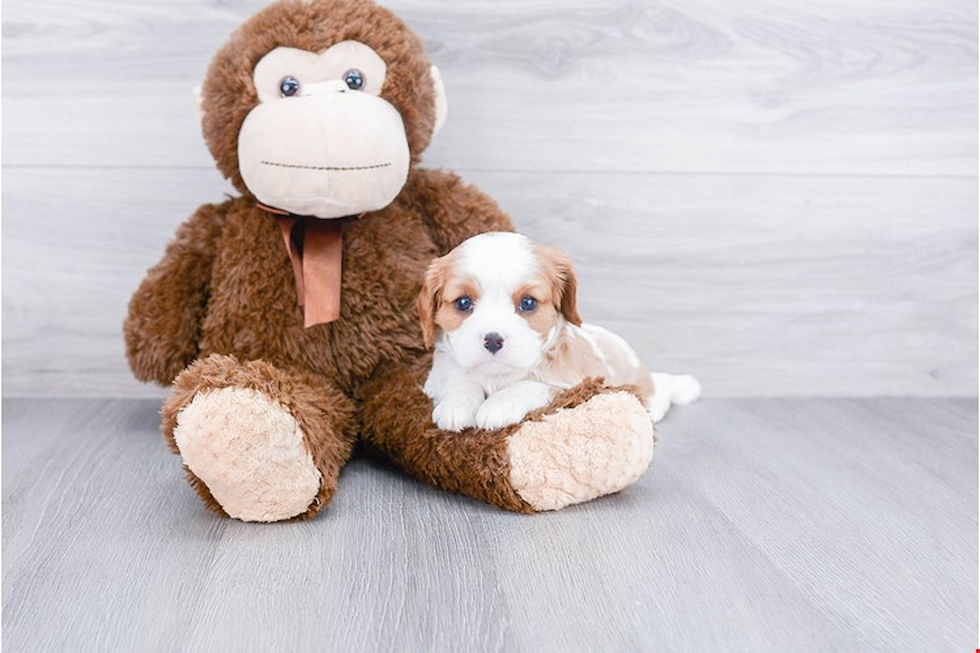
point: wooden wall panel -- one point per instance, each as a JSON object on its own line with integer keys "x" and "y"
{"x": 759, "y": 285}
{"x": 702, "y": 85}
{"x": 778, "y": 196}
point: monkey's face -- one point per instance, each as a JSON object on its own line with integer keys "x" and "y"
{"x": 320, "y": 107}
{"x": 321, "y": 140}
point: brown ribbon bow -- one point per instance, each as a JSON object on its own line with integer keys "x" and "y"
{"x": 315, "y": 249}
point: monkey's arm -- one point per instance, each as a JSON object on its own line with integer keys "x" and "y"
{"x": 163, "y": 326}
{"x": 456, "y": 210}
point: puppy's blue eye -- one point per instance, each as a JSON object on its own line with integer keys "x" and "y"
{"x": 464, "y": 304}
{"x": 528, "y": 304}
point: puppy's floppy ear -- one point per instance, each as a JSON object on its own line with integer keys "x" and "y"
{"x": 569, "y": 293}
{"x": 562, "y": 274}
{"x": 430, "y": 298}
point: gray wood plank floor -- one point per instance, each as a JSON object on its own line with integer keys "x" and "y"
{"x": 764, "y": 524}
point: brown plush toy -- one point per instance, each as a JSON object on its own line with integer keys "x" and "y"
{"x": 285, "y": 318}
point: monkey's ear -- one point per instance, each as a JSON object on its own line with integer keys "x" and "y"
{"x": 199, "y": 104}
{"x": 442, "y": 104}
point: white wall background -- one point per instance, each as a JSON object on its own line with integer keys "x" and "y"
{"x": 779, "y": 196}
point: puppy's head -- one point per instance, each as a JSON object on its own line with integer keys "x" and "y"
{"x": 495, "y": 301}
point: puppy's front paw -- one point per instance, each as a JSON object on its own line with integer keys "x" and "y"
{"x": 457, "y": 412}
{"x": 502, "y": 410}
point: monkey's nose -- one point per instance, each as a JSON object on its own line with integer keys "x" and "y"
{"x": 493, "y": 342}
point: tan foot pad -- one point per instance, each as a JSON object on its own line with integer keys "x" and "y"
{"x": 578, "y": 454}
{"x": 249, "y": 451}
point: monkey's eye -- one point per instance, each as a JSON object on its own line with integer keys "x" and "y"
{"x": 354, "y": 79}
{"x": 464, "y": 304}
{"x": 288, "y": 86}
{"x": 528, "y": 304}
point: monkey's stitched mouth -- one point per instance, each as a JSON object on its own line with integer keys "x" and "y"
{"x": 331, "y": 168}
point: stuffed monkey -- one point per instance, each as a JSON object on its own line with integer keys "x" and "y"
{"x": 285, "y": 318}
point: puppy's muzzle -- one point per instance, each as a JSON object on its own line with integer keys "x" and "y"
{"x": 493, "y": 342}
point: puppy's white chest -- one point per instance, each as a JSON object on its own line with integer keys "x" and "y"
{"x": 497, "y": 382}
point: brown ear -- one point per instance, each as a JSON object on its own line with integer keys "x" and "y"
{"x": 429, "y": 299}
{"x": 569, "y": 292}
{"x": 559, "y": 267}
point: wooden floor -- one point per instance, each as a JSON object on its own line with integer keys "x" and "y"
{"x": 764, "y": 524}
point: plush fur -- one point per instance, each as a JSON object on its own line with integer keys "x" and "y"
{"x": 252, "y": 479}
{"x": 313, "y": 401}
{"x": 220, "y": 311}
{"x": 597, "y": 455}
{"x": 229, "y": 93}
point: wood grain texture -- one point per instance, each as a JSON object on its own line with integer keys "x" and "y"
{"x": 758, "y": 285}
{"x": 692, "y": 85}
{"x": 764, "y": 525}
{"x": 786, "y": 192}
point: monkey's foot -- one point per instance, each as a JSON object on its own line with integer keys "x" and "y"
{"x": 249, "y": 451}
{"x": 577, "y": 454}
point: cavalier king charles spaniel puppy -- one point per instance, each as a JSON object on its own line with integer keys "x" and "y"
{"x": 500, "y": 312}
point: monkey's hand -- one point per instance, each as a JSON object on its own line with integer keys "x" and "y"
{"x": 163, "y": 326}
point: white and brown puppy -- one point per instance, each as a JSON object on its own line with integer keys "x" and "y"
{"x": 500, "y": 311}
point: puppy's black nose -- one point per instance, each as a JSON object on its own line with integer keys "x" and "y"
{"x": 493, "y": 342}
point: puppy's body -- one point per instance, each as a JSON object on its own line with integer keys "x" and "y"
{"x": 501, "y": 312}
{"x": 586, "y": 351}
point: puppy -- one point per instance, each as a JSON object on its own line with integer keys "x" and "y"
{"x": 500, "y": 310}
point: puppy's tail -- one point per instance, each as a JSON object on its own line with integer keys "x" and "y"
{"x": 680, "y": 389}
